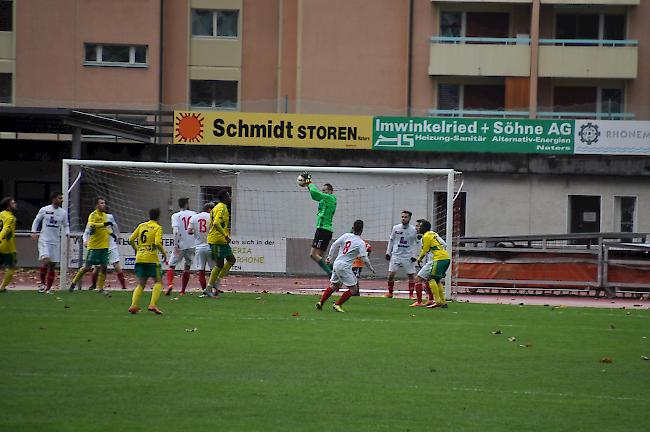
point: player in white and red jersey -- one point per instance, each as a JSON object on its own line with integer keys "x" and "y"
{"x": 346, "y": 248}
{"x": 183, "y": 244}
{"x": 47, "y": 227}
{"x": 199, "y": 228}
{"x": 401, "y": 252}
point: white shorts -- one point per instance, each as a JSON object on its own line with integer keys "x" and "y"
{"x": 51, "y": 251}
{"x": 113, "y": 255}
{"x": 397, "y": 263}
{"x": 204, "y": 257}
{"x": 425, "y": 271}
{"x": 343, "y": 274}
{"x": 179, "y": 254}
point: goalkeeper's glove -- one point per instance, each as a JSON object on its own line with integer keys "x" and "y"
{"x": 413, "y": 259}
{"x": 307, "y": 177}
{"x": 108, "y": 223}
{"x": 387, "y": 257}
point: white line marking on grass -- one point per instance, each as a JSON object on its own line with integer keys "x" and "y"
{"x": 549, "y": 394}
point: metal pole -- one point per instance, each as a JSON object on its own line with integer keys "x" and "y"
{"x": 65, "y": 183}
{"x": 449, "y": 231}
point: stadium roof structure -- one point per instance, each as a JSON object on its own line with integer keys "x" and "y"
{"x": 67, "y": 120}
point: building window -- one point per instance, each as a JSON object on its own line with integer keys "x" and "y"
{"x": 440, "y": 214}
{"x": 6, "y": 15}
{"x": 590, "y": 100}
{"x": 478, "y": 97}
{"x": 625, "y": 207}
{"x": 115, "y": 55}
{"x": 213, "y": 94}
{"x": 215, "y": 23}
{"x": 5, "y": 88}
{"x": 590, "y": 26}
{"x": 30, "y": 197}
{"x": 474, "y": 24}
{"x": 584, "y": 214}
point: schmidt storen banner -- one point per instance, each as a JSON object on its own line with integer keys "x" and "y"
{"x": 272, "y": 130}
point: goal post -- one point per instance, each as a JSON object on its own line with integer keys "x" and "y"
{"x": 266, "y": 199}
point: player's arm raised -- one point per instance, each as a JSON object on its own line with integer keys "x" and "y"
{"x": 316, "y": 194}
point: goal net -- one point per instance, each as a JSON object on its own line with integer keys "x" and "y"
{"x": 272, "y": 218}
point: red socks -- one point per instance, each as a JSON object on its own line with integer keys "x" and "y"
{"x": 120, "y": 277}
{"x": 50, "y": 279}
{"x": 418, "y": 292}
{"x": 344, "y": 297}
{"x": 170, "y": 276}
{"x": 391, "y": 286}
{"x": 411, "y": 287}
{"x": 328, "y": 292}
{"x": 202, "y": 280}
{"x": 429, "y": 292}
{"x": 186, "y": 279}
{"x": 42, "y": 273}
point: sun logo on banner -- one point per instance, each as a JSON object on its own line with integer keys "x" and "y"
{"x": 188, "y": 127}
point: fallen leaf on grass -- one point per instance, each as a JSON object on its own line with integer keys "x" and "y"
{"x": 191, "y": 330}
{"x": 258, "y": 298}
{"x": 42, "y": 328}
{"x": 496, "y": 332}
{"x": 606, "y": 360}
{"x": 526, "y": 345}
{"x": 645, "y": 358}
{"x": 295, "y": 314}
{"x": 612, "y": 326}
{"x": 432, "y": 370}
{"x": 66, "y": 306}
{"x": 512, "y": 339}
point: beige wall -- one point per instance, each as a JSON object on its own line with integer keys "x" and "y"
{"x": 425, "y": 25}
{"x": 638, "y": 92}
{"x": 176, "y": 54}
{"x": 50, "y": 39}
{"x": 259, "y": 58}
{"x": 354, "y": 56}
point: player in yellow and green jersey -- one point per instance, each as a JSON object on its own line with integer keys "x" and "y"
{"x": 7, "y": 240}
{"x": 433, "y": 271}
{"x": 324, "y": 226}
{"x": 146, "y": 240}
{"x": 97, "y": 245}
{"x": 219, "y": 241}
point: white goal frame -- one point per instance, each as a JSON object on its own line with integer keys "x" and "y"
{"x": 68, "y": 163}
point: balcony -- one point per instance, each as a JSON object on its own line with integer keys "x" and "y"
{"x": 588, "y": 58}
{"x": 475, "y": 56}
{"x": 558, "y": 2}
{"x": 477, "y": 113}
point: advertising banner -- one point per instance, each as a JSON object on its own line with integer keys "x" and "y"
{"x": 264, "y": 255}
{"x": 272, "y": 130}
{"x": 475, "y": 135}
{"x": 615, "y": 137}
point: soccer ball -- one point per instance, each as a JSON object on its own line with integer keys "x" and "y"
{"x": 301, "y": 180}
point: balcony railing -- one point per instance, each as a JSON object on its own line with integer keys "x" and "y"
{"x": 476, "y": 113}
{"x": 479, "y": 40}
{"x": 585, "y": 115}
{"x": 589, "y": 42}
{"x": 524, "y": 114}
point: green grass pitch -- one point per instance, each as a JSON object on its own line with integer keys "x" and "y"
{"x": 271, "y": 362}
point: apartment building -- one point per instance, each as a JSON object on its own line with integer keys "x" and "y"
{"x": 508, "y": 58}
{"x": 535, "y": 58}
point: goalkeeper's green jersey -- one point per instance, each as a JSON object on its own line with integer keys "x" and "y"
{"x": 326, "y": 207}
